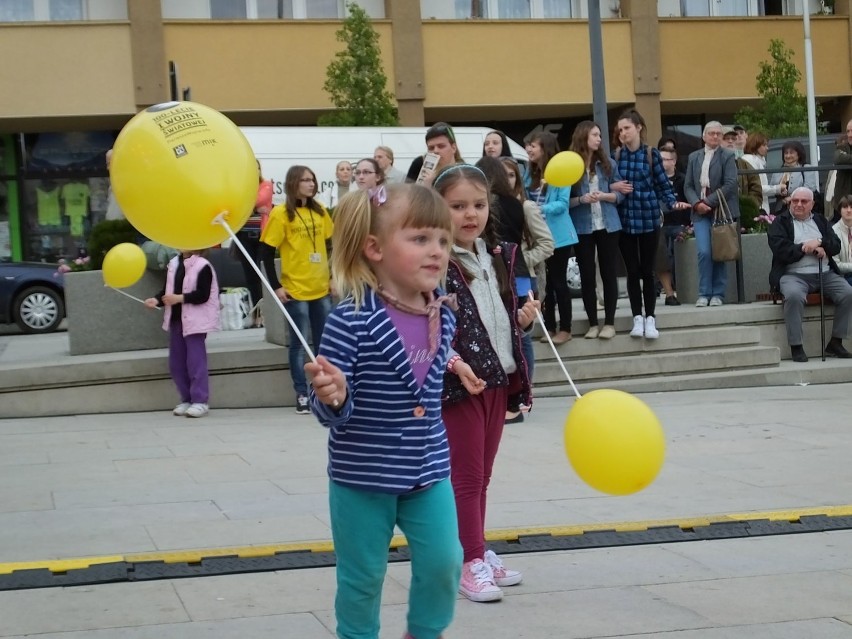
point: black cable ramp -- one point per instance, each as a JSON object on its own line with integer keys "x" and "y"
{"x": 151, "y": 566}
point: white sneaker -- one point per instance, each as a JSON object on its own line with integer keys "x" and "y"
{"x": 651, "y": 331}
{"x": 197, "y": 410}
{"x": 477, "y": 582}
{"x": 702, "y": 301}
{"x": 715, "y": 301}
{"x": 180, "y": 409}
{"x": 638, "y": 326}
{"x": 502, "y": 575}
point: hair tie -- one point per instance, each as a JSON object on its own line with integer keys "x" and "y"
{"x": 378, "y": 195}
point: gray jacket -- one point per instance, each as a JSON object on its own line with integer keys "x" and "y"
{"x": 723, "y": 175}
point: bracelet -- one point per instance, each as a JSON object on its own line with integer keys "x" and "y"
{"x": 452, "y": 363}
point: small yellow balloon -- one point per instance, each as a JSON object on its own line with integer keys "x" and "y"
{"x": 175, "y": 167}
{"x": 614, "y": 442}
{"x": 564, "y": 169}
{"x": 124, "y": 265}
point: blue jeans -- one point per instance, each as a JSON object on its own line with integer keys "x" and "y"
{"x": 314, "y": 312}
{"x": 712, "y": 276}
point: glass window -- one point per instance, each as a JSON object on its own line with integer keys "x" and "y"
{"x": 16, "y": 11}
{"x": 557, "y": 9}
{"x": 695, "y": 8}
{"x": 66, "y": 10}
{"x": 228, "y": 9}
{"x": 270, "y": 9}
{"x": 512, "y": 9}
{"x": 322, "y": 9}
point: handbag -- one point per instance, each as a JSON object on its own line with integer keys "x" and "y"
{"x": 236, "y": 309}
{"x": 724, "y": 236}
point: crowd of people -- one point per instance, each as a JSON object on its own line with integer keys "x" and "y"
{"x": 428, "y": 352}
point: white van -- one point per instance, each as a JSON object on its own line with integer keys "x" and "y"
{"x": 321, "y": 148}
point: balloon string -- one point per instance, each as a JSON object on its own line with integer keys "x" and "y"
{"x": 555, "y": 352}
{"x": 118, "y": 290}
{"x": 220, "y": 219}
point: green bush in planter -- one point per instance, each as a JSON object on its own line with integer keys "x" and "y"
{"x": 107, "y": 234}
{"x": 748, "y": 211}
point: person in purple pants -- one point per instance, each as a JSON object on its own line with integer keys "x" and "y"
{"x": 191, "y": 301}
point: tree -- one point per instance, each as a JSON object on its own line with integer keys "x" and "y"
{"x": 355, "y": 79}
{"x": 784, "y": 110}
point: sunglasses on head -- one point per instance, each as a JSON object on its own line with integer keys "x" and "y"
{"x": 443, "y": 129}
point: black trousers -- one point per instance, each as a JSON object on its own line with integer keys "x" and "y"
{"x": 251, "y": 240}
{"x": 640, "y": 254}
{"x": 557, "y": 293}
{"x": 606, "y": 246}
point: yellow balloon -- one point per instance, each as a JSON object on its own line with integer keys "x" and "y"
{"x": 614, "y": 442}
{"x": 564, "y": 169}
{"x": 124, "y": 265}
{"x": 176, "y": 166}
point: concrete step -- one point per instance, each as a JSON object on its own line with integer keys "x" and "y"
{"x": 787, "y": 373}
{"x": 650, "y": 364}
{"x": 675, "y": 339}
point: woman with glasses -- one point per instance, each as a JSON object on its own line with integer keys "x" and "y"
{"x": 368, "y": 174}
{"x": 300, "y": 229}
{"x": 794, "y": 156}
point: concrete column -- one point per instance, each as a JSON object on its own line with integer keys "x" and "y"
{"x": 147, "y": 46}
{"x": 844, "y": 8}
{"x": 645, "y": 43}
{"x": 409, "y": 75}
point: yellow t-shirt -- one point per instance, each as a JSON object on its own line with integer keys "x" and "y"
{"x": 301, "y": 243}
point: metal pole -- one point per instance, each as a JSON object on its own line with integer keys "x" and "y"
{"x": 598, "y": 79}
{"x": 809, "y": 83}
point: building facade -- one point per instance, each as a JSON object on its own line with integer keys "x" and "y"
{"x": 82, "y": 68}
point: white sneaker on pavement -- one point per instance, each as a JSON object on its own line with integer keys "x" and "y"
{"x": 702, "y": 301}
{"x": 180, "y": 409}
{"x": 197, "y": 410}
{"x": 716, "y": 301}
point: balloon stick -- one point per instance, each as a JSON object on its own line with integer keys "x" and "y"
{"x": 118, "y": 290}
{"x": 555, "y": 352}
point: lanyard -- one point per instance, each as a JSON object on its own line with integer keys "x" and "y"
{"x": 312, "y": 232}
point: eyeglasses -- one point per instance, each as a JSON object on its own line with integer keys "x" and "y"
{"x": 363, "y": 172}
{"x": 796, "y": 201}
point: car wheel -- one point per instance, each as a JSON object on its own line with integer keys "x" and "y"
{"x": 38, "y": 310}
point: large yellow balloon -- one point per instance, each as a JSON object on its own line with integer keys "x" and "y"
{"x": 564, "y": 169}
{"x": 124, "y": 265}
{"x": 176, "y": 166}
{"x": 614, "y": 442}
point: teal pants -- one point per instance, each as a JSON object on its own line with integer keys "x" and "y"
{"x": 362, "y": 524}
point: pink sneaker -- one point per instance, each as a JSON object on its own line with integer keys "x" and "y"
{"x": 502, "y": 576}
{"x": 477, "y": 582}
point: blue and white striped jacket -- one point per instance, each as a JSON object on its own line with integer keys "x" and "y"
{"x": 389, "y": 436}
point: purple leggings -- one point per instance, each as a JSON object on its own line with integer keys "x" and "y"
{"x": 188, "y": 365}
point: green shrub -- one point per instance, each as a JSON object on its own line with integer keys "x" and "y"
{"x": 748, "y": 211}
{"x": 107, "y": 234}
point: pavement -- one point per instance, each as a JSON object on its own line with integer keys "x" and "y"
{"x": 121, "y": 484}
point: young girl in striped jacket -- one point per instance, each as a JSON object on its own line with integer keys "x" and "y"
{"x": 377, "y": 386}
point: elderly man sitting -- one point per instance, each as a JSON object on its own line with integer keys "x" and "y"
{"x": 801, "y": 243}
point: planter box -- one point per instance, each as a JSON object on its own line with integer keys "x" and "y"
{"x": 100, "y": 320}
{"x": 757, "y": 261}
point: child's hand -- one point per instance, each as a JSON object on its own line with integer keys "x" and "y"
{"x": 328, "y": 381}
{"x": 469, "y": 380}
{"x": 172, "y": 298}
{"x": 527, "y": 314}
{"x": 151, "y": 302}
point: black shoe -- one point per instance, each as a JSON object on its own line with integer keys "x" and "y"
{"x": 835, "y": 349}
{"x": 517, "y": 419}
{"x": 671, "y": 300}
{"x": 798, "y": 353}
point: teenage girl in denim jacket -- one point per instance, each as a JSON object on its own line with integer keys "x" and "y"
{"x": 554, "y": 206}
{"x": 593, "y": 210}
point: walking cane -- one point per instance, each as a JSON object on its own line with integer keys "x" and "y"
{"x": 821, "y": 310}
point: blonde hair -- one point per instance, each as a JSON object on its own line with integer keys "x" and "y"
{"x": 357, "y": 217}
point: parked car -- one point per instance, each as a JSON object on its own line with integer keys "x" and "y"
{"x": 825, "y": 147}
{"x": 31, "y": 296}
